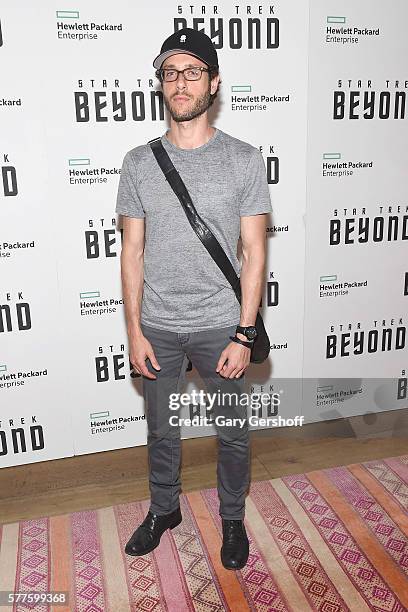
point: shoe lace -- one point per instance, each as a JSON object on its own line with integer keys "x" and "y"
{"x": 232, "y": 529}
{"x": 148, "y": 523}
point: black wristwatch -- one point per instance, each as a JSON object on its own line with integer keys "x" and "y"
{"x": 250, "y": 332}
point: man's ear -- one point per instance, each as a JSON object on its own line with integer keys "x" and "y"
{"x": 214, "y": 83}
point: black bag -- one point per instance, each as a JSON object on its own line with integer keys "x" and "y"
{"x": 261, "y": 347}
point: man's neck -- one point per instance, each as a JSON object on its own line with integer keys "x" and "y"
{"x": 190, "y": 134}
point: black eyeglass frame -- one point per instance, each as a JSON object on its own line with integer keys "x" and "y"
{"x": 160, "y": 73}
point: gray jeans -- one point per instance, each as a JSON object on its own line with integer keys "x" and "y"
{"x": 163, "y": 439}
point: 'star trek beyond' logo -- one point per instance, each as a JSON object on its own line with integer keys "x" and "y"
{"x": 8, "y": 178}
{"x": 244, "y": 27}
{"x": 355, "y": 99}
{"x": 113, "y": 363}
{"x": 20, "y": 435}
{"x": 346, "y": 340}
{"x": 358, "y": 227}
{"x": 402, "y": 388}
{"x": 105, "y": 100}
{"x": 102, "y": 238}
{"x": 15, "y": 312}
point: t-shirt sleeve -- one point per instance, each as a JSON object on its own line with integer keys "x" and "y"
{"x": 255, "y": 198}
{"x": 128, "y": 201}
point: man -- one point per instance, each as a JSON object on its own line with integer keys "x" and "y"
{"x": 178, "y": 303}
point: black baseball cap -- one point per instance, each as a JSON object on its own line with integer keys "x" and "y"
{"x": 189, "y": 41}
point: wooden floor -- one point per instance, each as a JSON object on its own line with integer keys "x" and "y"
{"x": 112, "y": 477}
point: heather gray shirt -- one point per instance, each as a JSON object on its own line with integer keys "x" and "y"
{"x": 184, "y": 290}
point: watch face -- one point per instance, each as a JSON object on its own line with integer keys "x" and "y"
{"x": 251, "y": 333}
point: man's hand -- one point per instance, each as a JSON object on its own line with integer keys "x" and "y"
{"x": 140, "y": 350}
{"x": 238, "y": 357}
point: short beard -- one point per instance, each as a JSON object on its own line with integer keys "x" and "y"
{"x": 200, "y": 106}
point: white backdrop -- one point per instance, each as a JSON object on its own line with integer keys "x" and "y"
{"x": 78, "y": 91}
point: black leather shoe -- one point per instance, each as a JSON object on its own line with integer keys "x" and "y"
{"x": 235, "y": 544}
{"x": 147, "y": 535}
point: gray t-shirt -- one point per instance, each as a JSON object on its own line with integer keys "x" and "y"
{"x": 184, "y": 290}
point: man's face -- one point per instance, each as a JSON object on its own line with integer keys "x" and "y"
{"x": 184, "y": 99}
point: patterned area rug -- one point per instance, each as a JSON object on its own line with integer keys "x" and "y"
{"x": 329, "y": 540}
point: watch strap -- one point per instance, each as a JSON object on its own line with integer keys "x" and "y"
{"x": 242, "y": 330}
{"x": 239, "y": 341}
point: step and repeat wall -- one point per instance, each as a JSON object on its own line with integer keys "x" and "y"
{"x": 319, "y": 87}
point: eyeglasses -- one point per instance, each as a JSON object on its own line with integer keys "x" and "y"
{"x": 190, "y": 74}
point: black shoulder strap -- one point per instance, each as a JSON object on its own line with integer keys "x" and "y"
{"x": 201, "y": 229}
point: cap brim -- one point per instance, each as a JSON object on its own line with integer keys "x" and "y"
{"x": 160, "y": 58}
